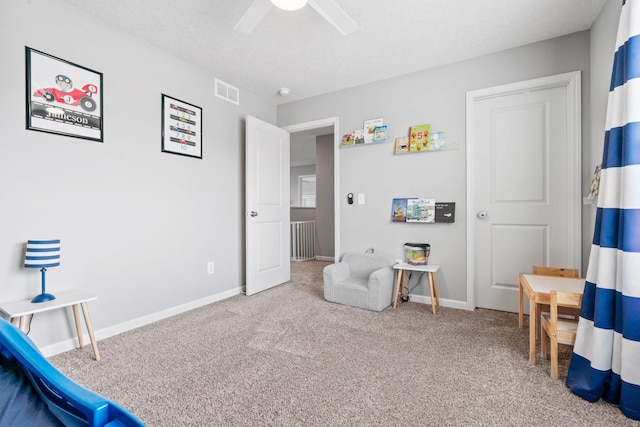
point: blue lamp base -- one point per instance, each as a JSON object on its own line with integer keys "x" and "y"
{"x": 43, "y": 298}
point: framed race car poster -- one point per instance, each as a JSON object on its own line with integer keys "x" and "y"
{"x": 62, "y": 97}
{"x": 181, "y": 127}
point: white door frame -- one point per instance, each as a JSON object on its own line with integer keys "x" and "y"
{"x": 574, "y": 139}
{"x": 320, "y": 123}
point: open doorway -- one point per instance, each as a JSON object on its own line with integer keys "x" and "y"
{"x": 313, "y": 153}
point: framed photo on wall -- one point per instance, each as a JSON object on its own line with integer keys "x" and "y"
{"x": 63, "y": 97}
{"x": 181, "y": 127}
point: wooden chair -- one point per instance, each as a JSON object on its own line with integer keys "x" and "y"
{"x": 559, "y": 330}
{"x": 558, "y": 272}
{"x": 555, "y": 271}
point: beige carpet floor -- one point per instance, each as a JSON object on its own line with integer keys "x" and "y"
{"x": 286, "y": 357}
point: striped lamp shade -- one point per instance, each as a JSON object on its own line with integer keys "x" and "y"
{"x": 42, "y": 254}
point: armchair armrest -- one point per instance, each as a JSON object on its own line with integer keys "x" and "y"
{"x": 332, "y": 274}
{"x": 336, "y": 272}
{"x": 381, "y": 287}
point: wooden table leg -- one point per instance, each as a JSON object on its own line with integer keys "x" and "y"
{"x": 533, "y": 317}
{"x": 395, "y": 298}
{"x": 433, "y": 286}
{"x": 520, "y": 305}
{"x": 87, "y": 320}
{"x": 78, "y": 326}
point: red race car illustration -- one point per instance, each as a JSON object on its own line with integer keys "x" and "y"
{"x": 66, "y": 94}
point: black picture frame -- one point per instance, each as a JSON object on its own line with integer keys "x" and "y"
{"x": 181, "y": 127}
{"x": 62, "y": 97}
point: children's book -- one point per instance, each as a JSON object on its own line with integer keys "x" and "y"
{"x": 419, "y": 138}
{"x": 437, "y": 140}
{"x": 402, "y": 144}
{"x": 347, "y": 140}
{"x": 421, "y": 210}
{"x": 358, "y": 136}
{"x": 369, "y": 129}
{"x": 445, "y": 212}
{"x": 380, "y": 134}
{"x": 399, "y": 210}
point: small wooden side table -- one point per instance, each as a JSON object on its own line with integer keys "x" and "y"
{"x": 430, "y": 269}
{"x": 18, "y": 311}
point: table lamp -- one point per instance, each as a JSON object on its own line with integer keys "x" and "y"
{"x": 42, "y": 254}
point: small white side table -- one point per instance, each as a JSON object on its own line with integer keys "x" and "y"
{"x": 430, "y": 269}
{"x": 18, "y": 311}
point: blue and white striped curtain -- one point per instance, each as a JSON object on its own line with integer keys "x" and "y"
{"x": 606, "y": 356}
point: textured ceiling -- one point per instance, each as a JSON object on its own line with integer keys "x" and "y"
{"x": 302, "y": 51}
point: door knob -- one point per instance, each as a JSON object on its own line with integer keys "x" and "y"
{"x": 482, "y": 214}
{"x": 253, "y": 213}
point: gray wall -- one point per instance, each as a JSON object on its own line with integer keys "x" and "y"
{"x": 435, "y": 96}
{"x": 137, "y": 225}
{"x": 603, "y": 41}
{"x": 324, "y": 195}
{"x": 294, "y": 174}
{"x": 302, "y": 214}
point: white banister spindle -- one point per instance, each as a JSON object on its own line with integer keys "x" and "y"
{"x": 303, "y": 240}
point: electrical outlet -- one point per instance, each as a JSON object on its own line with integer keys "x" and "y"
{"x": 361, "y": 198}
{"x": 210, "y": 267}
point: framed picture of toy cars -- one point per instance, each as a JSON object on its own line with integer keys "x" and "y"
{"x": 181, "y": 127}
{"x": 62, "y": 97}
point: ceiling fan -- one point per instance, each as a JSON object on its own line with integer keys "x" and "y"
{"x": 329, "y": 10}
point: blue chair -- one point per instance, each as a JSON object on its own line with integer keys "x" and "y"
{"x": 30, "y": 385}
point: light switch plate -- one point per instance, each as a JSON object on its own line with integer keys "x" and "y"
{"x": 360, "y": 198}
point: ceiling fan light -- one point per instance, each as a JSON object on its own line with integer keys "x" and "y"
{"x": 289, "y": 4}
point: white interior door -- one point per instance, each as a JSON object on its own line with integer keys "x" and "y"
{"x": 267, "y": 190}
{"x": 524, "y": 197}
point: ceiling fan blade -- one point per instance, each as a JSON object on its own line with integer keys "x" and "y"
{"x": 253, "y": 16}
{"x": 336, "y": 16}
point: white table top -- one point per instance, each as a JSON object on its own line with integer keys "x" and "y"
{"x": 430, "y": 268}
{"x": 546, "y": 284}
{"x": 63, "y": 299}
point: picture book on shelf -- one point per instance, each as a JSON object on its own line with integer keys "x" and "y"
{"x": 347, "y": 140}
{"x": 402, "y": 144}
{"x": 380, "y": 134}
{"x": 436, "y": 140}
{"x": 421, "y": 210}
{"x": 399, "y": 210}
{"x": 369, "y": 129}
{"x": 358, "y": 136}
{"x": 445, "y": 212}
{"x": 419, "y": 138}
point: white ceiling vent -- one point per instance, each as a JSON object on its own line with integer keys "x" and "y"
{"x": 227, "y": 92}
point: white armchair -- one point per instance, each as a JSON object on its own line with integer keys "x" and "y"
{"x": 361, "y": 279}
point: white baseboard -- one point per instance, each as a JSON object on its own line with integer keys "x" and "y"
{"x": 325, "y": 258}
{"x": 423, "y": 299}
{"x": 110, "y": 331}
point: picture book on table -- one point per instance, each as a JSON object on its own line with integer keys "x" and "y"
{"x": 421, "y": 210}
{"x": 419, "y": 138}
{"x": 399, "y": 210}
{"x": 369, "y": 129}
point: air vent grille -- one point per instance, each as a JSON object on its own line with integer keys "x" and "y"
{"x": 227, "y": 92}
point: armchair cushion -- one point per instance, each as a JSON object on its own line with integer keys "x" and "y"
{"x": 361, "y": 279}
